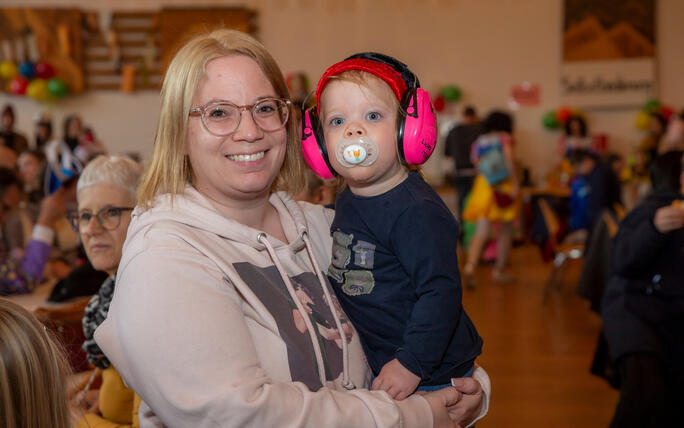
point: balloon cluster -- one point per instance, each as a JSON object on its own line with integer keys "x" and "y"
{"x": 449, "y": 93}
{"x": 554, "y": 119}
{"x": 643, "y": 118}
{"x": 36, "y": 80}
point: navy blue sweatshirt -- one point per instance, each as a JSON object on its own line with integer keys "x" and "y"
{"x": 395, "y": 272}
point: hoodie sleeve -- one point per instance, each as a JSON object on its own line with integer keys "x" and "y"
{"x": 178, "y": 334}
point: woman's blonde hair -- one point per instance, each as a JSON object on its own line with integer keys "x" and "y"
{"x": 169, "y": 170}
{"x": 33, "y": 372}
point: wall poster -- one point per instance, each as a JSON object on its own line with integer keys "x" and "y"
{"x": 609, "y": 53}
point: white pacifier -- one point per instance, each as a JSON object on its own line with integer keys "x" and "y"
{"x": 360, "y": 151}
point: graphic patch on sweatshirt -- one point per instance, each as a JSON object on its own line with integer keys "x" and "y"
{"x": 354, "y": 282}
{"x": 269, "y": 287}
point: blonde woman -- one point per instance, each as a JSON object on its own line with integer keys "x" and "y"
{"x": 221, "y": 314}
{"x": 33, "y": 372}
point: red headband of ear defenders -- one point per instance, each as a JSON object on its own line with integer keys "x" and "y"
{"x": 378, "y": 69}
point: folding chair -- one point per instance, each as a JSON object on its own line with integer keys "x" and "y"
{"x": 562, "y": 252}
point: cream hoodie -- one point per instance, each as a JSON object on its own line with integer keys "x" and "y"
{"x": 205, "y": 324}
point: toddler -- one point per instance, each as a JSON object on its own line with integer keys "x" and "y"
{"x": 394, "y": 267}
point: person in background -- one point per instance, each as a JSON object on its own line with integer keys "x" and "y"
{"x": 89, "y": 147}
{"x": 317, "y": 191}
{"x": 62, "y": 164}
{"x": 8, "y": 158}
{"x": 494, "y": 197}
{"x": 656, "y": 130}
{"x": 595, "y": 188}
{"x": 575, "y": 137}
{"x": 33, "y": 372}
{"x": 219, "y": 254}
{"x": 31, "y": 166}
{"x": 458, "y": 146}
{"x": 19, "y": 224}
{"x": 18, "y": 276}
{"x": 43, "y": 130}
{"x": 643, "y": 305}
{"x": 11, "y": 139}
{"x": 106, "y": 197}
{"x": 674, "y": 137}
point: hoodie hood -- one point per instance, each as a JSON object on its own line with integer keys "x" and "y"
{"x": 195, "y": 210}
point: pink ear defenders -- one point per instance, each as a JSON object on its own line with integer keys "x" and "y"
{"x": 416, "y": 121}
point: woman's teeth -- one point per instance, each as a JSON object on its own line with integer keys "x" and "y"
{"x": 246, "y": 158}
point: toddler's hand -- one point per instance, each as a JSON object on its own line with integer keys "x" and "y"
{"x": 395, "y": 379}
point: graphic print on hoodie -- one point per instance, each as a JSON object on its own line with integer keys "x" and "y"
{"x": 300, "y": 353}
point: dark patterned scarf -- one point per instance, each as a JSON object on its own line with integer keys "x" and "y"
{"x": 95, "y": 314}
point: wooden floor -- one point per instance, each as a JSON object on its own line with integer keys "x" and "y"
{"x": 538, "y": 353}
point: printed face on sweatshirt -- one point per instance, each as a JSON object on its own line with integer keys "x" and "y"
{"x": 359, "y": 124}
{"x": 243, "y": 164}
{"x": 269, "y": 287}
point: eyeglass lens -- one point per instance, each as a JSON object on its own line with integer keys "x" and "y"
{"x": 224, "y": 118}
{"x": 108, "y": 218}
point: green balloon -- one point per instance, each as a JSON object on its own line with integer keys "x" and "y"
{"x": 451, "y": 93}
{"x": 549, "y": 120}
{"x": 652, "y": 106}
{"x": 57, "y": 87}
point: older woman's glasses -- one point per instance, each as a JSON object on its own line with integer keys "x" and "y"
{"x": 222, "y": 118}
{"x": 108, "y": 217}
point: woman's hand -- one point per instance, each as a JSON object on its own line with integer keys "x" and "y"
{"x": 470, "y": 405}
{"x": 457, "y": 406}
{"x": 441, "y": 402}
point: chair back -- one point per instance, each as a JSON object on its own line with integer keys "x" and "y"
{"x": 65, "y": 322}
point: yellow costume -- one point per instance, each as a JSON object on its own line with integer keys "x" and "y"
{"x": 118, "y": 405}
{"x": 482, "y": 202}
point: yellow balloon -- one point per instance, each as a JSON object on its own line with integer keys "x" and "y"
{"x": 642, "y": 121}
{"x": 38, "y": 90}
{"x": 8, "y": 69}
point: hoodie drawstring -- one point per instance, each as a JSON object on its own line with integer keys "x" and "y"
{"x": 346, "y": 382}
{"x": 261, "y": 238}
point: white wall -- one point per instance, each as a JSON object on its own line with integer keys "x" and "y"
{"x": 484, "y": 46}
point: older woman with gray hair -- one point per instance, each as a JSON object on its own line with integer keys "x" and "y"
{"x": 106, "y": 194}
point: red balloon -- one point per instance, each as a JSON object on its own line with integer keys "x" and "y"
{"x": 666, "y": 112}
{"x": 439, "y": 103}
{"x": 18, "y": 85}
{"x": 563, "y": 114}
{"x": 44, "y": 70}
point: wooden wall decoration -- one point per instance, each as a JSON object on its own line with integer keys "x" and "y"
{"x": 148, "y": 41}
{"x": 178, "y": 25}
{"x": 131, "y": 54}
{"x": 49, "y": 35}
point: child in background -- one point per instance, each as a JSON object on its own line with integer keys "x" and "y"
{"x": 394, "y": 265}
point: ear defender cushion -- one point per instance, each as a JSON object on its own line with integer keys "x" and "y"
{"x": 313, "y": 146}
{"x": 416, "y": 127}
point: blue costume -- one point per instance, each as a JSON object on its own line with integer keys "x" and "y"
{"x": 395, "y": 272}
